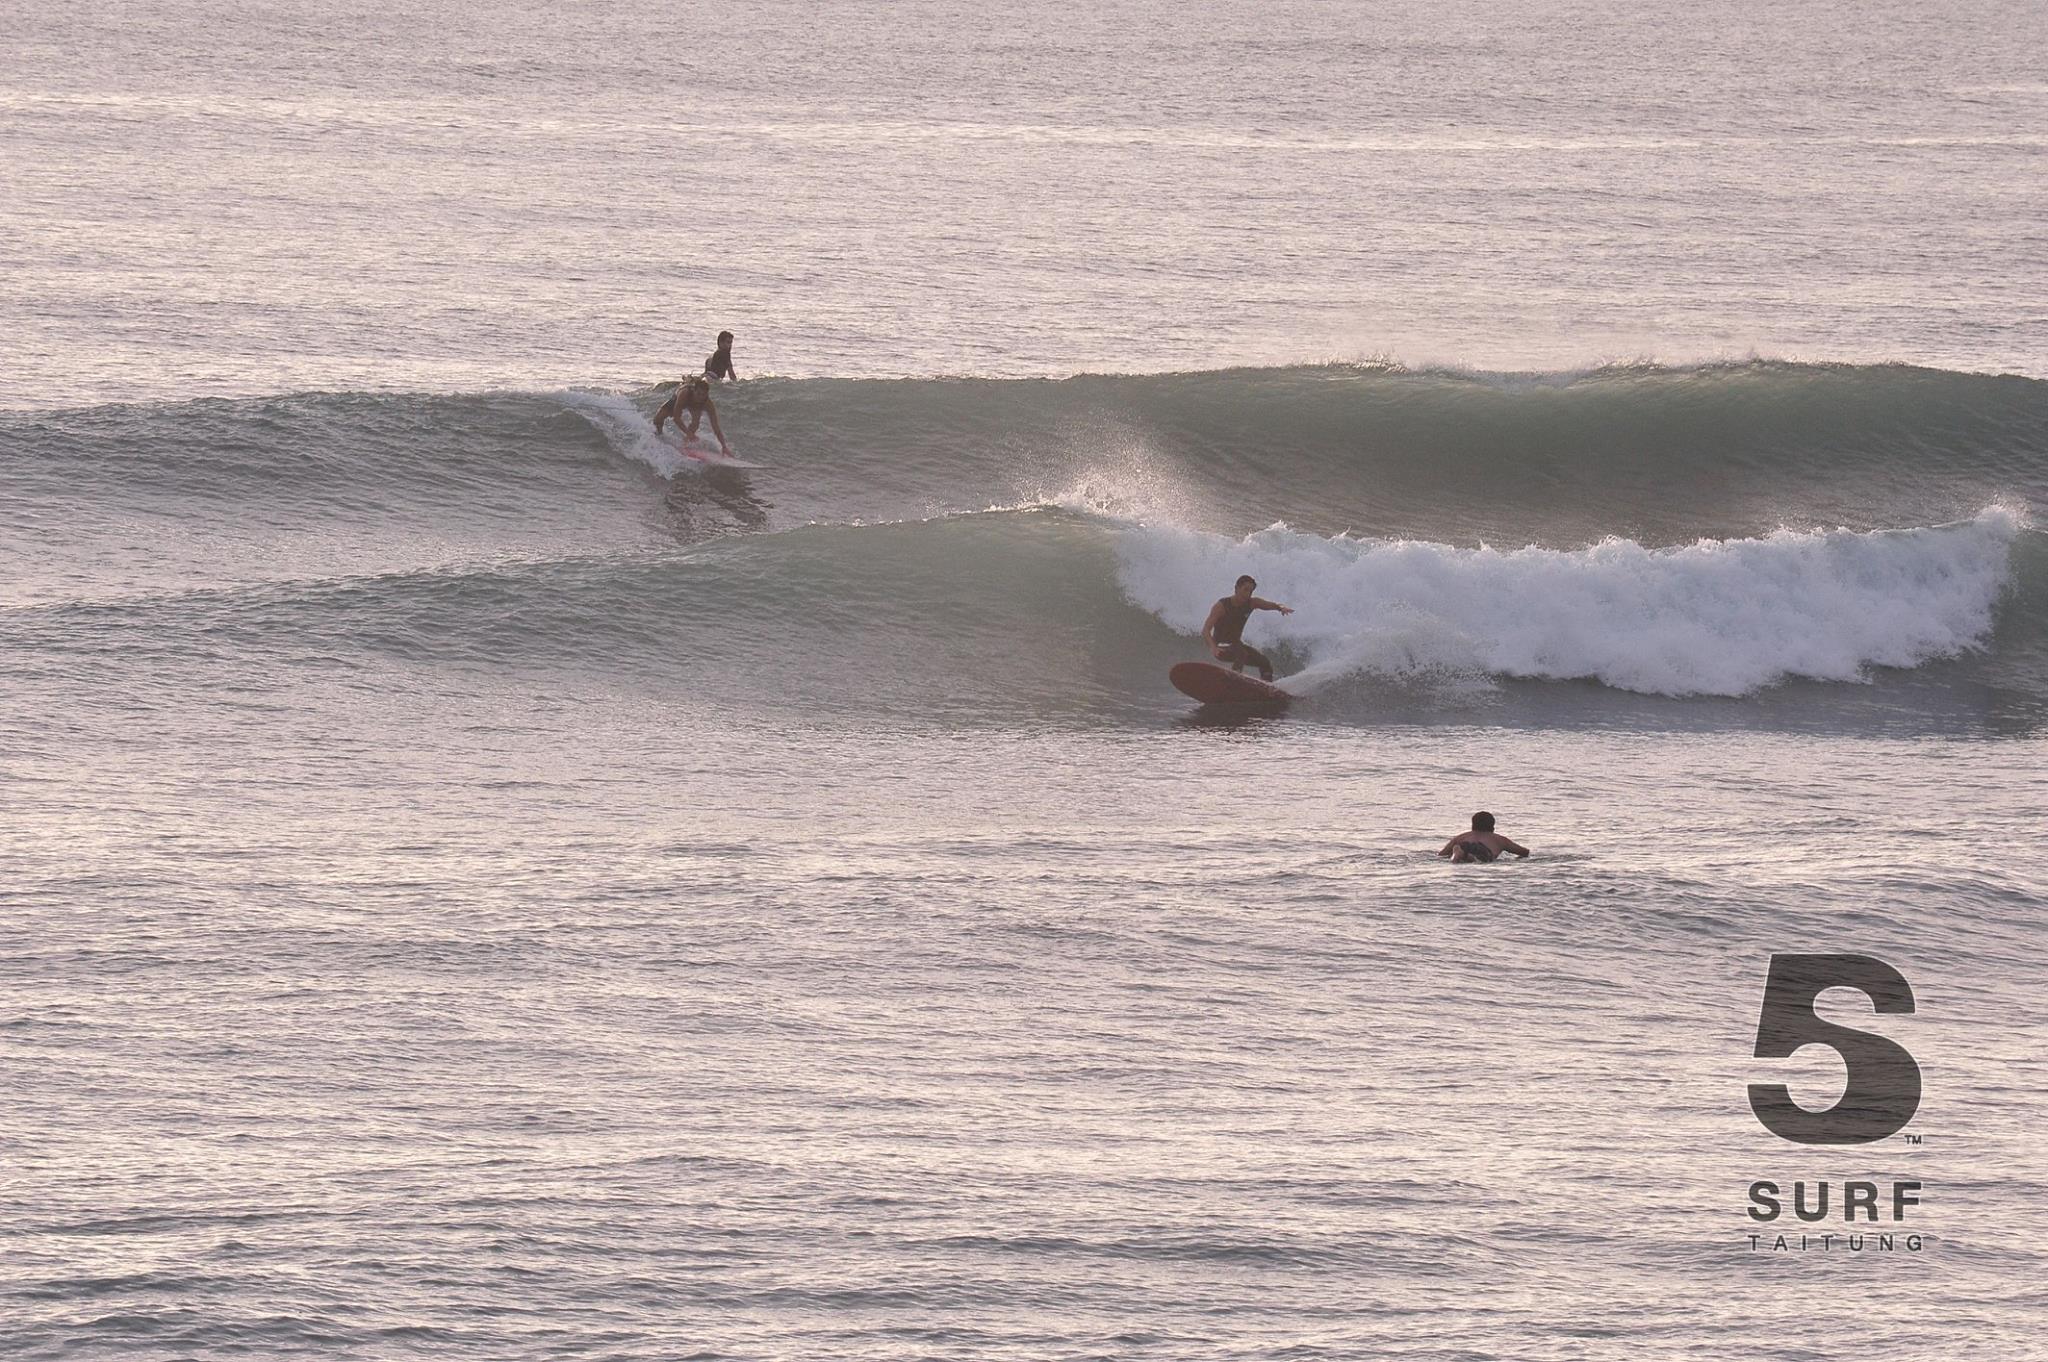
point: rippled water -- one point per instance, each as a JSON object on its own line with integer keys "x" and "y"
{"x": 266, "y": 196}
{"x": 1172, "y": 1042}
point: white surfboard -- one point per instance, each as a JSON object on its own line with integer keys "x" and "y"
{"x": 710, "y": 456}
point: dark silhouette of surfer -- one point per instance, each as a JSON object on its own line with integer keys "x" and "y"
{"x": 719, "y": 365}
{"x": 1223, "y": 631}
{"x": 1480, "y": 844}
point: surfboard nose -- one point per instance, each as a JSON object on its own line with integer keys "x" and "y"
{"x": 1214, "y": 685}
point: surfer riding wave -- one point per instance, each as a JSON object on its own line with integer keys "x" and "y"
{"x": 1223, "y": 631}
{"x": 686, "y": 406}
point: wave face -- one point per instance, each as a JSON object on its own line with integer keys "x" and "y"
{"x": 1714, "y": 533}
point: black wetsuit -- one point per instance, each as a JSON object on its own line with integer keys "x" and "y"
{"x": 719, "y": 365}
{"x": 1230, "y": 637}
{"x": 1236, "y": 614}
{"x": 1476, "y": 850}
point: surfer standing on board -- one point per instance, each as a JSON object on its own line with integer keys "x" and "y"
{"x": 686, "y": 406}
{"x": 1223, "y": 631}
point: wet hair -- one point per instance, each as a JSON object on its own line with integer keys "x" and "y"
{"x": 1247, "y": 579}
{"x": 1482, "y": 822}
{"x": 724, "y": 336}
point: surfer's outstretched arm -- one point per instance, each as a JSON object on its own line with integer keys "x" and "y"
{"x": 1258, "y": 604}
{"x": 711, "y": 411}
{"x": 1516, "y": 847}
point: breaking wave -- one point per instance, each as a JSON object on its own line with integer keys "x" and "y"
{"x": 996, "y": 546}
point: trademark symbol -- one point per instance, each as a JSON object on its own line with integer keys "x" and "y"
{"x": 1914, "y": 1139}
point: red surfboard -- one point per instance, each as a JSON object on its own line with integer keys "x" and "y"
{"x": 1214, "y": 685}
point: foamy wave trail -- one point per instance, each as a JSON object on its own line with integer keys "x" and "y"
{"x": 1716, "y": 617}
{"x": 627, "y": 430}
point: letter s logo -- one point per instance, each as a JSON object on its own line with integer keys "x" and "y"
{"x": 1884, "y": 1083}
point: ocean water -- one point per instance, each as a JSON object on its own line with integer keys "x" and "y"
{"x": 475, "y": 883}
{"x": 270, "y": 195}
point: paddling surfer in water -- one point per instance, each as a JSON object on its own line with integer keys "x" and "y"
{"x": 1223, "y": 631}
{"x": 1481, "y": 844}
{"x": 686, "y": 406}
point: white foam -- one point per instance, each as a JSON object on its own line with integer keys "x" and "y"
{"x": 626, "y": 430}
{"x": 1718, "y": 617}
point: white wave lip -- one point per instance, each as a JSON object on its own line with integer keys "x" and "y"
{"x": 625, "y": 429}
{"x": 1717, "y": 617}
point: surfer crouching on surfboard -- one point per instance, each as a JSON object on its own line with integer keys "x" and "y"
{"x": 686, "y": 406}
{"x": 1223, "y": 631}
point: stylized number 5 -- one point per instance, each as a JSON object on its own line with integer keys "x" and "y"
{"x": 1884, "y": 1082}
